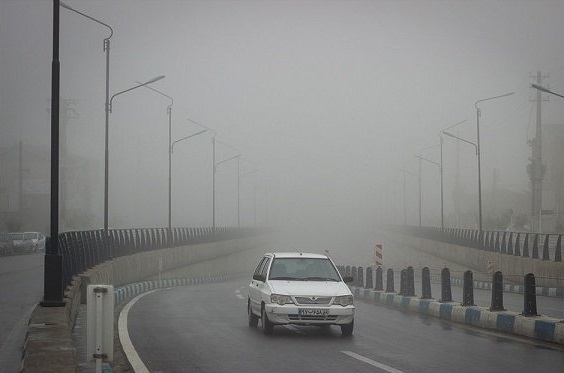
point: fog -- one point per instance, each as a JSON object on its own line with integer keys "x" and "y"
{"x": 326, "y": 101}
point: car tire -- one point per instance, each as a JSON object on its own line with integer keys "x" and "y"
{"x": 267, "y": 326}
{"x": 347, "y": 329}
{"x": 253, "y": 319}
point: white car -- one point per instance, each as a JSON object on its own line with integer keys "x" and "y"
{"x": 35, "y": 240}
{"x": 302, "y": 289}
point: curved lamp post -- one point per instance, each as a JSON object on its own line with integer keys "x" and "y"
{"x": 107, "y": 102}
{"x": 478, "y": 112}
{"x": 169, "y": 113}
{"x": 238, "y": 158}
{"x": 441, "y": 171}
{"x": 213, "y": 167}
{"x": 106, "y": 162}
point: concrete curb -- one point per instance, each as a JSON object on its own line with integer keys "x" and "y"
{"x": 129, "y": 291}
{"x": 543, "y": 328}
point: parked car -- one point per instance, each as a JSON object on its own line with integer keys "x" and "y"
{"x": 6, "y": 244}
{"x": 36, "y": 241}
{"x": 302, "y": 289}
{"x": 17, "y": 239}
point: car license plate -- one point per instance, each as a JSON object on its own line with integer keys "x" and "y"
{"x": 312, "y": 312}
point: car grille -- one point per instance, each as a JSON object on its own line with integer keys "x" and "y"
{"x": 313, "y": 300}
{"x": 312, "y": 318}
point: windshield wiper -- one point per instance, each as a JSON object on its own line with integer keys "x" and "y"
{"x": 320, "y": 279}
{"x": 284, "y": 278}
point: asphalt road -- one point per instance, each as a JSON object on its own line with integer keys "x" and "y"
{"x": 21, "y": 288}
{"x": 204, "y": 328}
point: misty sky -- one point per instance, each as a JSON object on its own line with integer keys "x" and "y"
{"x": 326, "y": 99}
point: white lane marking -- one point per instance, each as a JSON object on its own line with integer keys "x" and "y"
{"x": 128, "y": 349}
{"x": 372, "y": 362}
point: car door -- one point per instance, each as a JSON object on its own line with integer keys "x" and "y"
{"x": 254, "y": 292}
{"x": 257, "y": 287}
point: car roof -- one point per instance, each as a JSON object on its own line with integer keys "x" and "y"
{"x": 297, "y": 255}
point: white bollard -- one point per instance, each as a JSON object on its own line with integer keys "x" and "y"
{"x": 100, "y": 324}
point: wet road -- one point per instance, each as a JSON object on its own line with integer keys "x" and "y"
{"x": 204, "y": 328}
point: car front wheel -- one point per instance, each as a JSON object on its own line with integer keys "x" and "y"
{"x": 347, "y": 329}
{"x": 253, "y": 319}
{"x": 267, "y": 326}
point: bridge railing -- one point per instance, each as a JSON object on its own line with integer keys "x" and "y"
{"x": 523, "y": 244}
{"x": 81, "y": 250}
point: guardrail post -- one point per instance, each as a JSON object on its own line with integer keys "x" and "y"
{"x": 369, "y": 281}
{"x": 545, "y": 253}
{"x": 536, "y": 246}
{"x": 347, "y": 270}
{"x": 360, "y": 278}
{"x": 410, "y": 282}
{"x": 403, "y": 282}
{"x": 426, "y": 284}
{"x": 517, "y": 249}
{"x": 390, "y": 281}
{"x": 558, "y": 251}
{"x": 354, "y": 274}
{"x": 468, "y": 289}
{"x": 379, "y": 280}
{"x": 497, "y": 292}
{"x": 526, "y": 246}
{"x": 530, "y": 296}
{"x": 510, "y": 244}
{"x": 503, "y": 248}
{"x": 446, "y": 291}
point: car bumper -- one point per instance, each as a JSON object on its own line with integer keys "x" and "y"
{"x": 290, "y": 314}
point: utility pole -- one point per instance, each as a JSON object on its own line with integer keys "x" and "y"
{"x": 536, "y": 169}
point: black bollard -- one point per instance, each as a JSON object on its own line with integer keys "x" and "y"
{"x": 360, "y": 277}
{"x": 426, "y": 284}
{"x": 403, "y": 282}
{"x": 497, "y": 292}
{"x": 379, "y": 280}
{"x": 390, "y": 281}
{"x": 369, "y": 280}
{"x": 468, "y": 289}
{"x": 446, "y": 291}
{"x": 410, "y": 282}
{"x": 530, "y": 304}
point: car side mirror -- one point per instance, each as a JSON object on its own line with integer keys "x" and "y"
{"x": 259, "y": 278}
{"x": 348, "y": 279}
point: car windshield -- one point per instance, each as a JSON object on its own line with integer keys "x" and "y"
{"x": 30, "y": 235}
{"x": 16, "y": 236}
{"x": 303, "y": 269}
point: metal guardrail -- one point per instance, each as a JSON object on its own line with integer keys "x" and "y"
{"x": 82, "y": 250}
{"x": 523, "y": 244}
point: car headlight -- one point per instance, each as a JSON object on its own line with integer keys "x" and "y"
{"x": 281, "y": 299}
{"x": 344, "y": 300}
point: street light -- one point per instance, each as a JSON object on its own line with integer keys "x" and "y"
{"x": 106, "y": 162}
{"x": 478, "y": 112}
{"x": 441, "y": 171}
{"x": 404, "y": 204}
{"x": 169, "y": 113}
{"x": 543, "y": 89}
{"x": 420, "y": 187}
{"x": 254, "y": 196}
{"x": 238, "y": 158}
{"x": 107, "y": 102}
{"x": 213, "y": 167}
